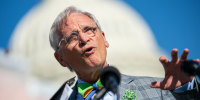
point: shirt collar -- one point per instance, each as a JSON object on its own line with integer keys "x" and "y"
{"x": 81, "y": 81}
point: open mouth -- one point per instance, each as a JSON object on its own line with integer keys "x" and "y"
{"x": 89, "y": 51}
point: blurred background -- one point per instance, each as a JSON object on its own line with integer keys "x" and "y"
{"x": 139, "y": 32}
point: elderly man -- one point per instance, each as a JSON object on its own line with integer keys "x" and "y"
{"x": 80, "y": 45}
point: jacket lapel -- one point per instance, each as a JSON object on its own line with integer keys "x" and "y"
{"x": 71, "y": 96}
{"x": 74, "y": 93}
{"x": 58, "y": 94}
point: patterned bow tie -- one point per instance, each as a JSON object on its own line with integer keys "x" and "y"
{"x": 86, "y": 89}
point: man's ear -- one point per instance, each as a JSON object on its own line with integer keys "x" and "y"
{"x": 59, "y": 58}
{"x": 105, "y": 41}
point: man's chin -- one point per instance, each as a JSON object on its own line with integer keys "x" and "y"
{"x": 95, "y": 62}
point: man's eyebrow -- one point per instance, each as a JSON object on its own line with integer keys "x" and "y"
{"x": 83, "y": 27}
{"x": 88, "y": 26}
{"x": 73, "y": 31}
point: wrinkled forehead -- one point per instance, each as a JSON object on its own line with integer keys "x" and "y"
{"x": 76, "y": 21}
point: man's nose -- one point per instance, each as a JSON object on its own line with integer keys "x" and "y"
{"x": 83, "y": 38}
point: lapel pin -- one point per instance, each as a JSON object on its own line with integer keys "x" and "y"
{"x": 129, "y": 96}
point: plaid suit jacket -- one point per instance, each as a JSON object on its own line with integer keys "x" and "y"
{"x": 140, "y": 87}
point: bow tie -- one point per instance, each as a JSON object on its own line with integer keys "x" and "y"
{"x": 85, "y": 88}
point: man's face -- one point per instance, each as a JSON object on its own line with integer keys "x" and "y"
{"x": 88, "y": 52}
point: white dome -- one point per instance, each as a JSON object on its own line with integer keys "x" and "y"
{"x": 132, "y": 46}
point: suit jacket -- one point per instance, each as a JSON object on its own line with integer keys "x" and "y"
{"x": 140, "y": 87}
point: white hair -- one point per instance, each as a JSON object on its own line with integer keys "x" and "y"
{"x": 55, "y": 34}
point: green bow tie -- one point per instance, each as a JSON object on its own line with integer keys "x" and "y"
{"x": 85, "y": 88}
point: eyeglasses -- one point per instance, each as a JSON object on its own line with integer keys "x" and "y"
{"x": 74, "y": 37}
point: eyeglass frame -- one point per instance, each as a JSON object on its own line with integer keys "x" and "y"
{"x": 94, "y": 29}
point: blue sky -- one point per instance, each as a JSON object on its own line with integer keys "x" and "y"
{"x": 175, "y": 23}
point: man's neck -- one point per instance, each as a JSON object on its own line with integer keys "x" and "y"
{"x": 93, "y": 76}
